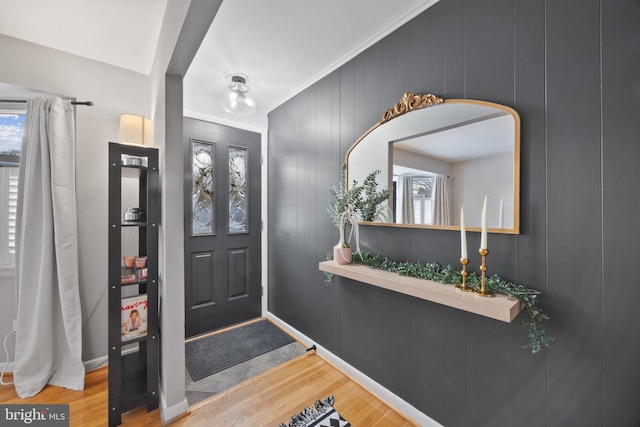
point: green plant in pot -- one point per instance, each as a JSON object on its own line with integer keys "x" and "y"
{"x": 342, "y": 209}
{"x": 351, "y": 205}
{"x": 371, "y": 204}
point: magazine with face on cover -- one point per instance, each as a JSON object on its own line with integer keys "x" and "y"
{"x": 134, "y": 317}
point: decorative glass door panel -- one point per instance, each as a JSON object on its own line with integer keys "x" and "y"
{"x": 202, "y": 188}
{"x": 238, "y": 206}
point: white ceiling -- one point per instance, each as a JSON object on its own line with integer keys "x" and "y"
{"x": 123, "y": 33}
{"x": 281, "y": 45}
{"x": 487, "y": 136}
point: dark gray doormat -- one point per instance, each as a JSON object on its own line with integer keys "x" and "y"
{"x": 218, "y": 352}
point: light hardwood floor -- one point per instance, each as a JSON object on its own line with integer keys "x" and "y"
{"x": 265, "y": 400}
{"x": 87, "y": 407}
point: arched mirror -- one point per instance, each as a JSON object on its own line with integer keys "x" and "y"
{"x": 438, "y": 155}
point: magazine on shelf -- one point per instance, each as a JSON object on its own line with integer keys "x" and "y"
{"x": 134, "y": 317}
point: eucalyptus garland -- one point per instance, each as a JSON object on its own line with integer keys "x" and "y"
{"x": 538, "y": 338}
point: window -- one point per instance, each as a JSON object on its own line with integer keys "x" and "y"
{"x": 11, "y": 129}
{"x": 422, "y": 200}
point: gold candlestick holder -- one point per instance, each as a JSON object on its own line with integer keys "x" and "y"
{"x": 463, "y": 287}
{"x": 483, "y": 292}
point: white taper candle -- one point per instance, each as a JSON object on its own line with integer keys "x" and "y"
{"x": 463, "y": 235}
{"x": 483, "y": 236}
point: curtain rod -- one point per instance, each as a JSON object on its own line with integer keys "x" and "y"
{"x": 22, "y": 101}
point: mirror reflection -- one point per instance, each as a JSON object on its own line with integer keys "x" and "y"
{"x": 441, "y": 157}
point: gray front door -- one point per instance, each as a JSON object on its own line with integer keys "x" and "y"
{"x": 222, "y": 226}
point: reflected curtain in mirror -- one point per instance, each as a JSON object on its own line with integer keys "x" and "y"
{"x": 405, "y": 199}
{"x": 441, "y": 202}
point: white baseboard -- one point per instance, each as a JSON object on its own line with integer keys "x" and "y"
{"x": 380, "y": 391}
{"x": 93, "y": 364}
{"x": 6, "y": 368}
{"x": 100, "y": 362}
{"x": 169, "y": 414}
{"x": 89, "y": 365}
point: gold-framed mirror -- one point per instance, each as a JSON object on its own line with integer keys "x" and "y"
{"x": 439, "y": 155}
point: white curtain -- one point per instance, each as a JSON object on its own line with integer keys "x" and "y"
{"x": 406, "y": 199}
{"x": 441, "y": 210}
{"x": 49, "y": 333}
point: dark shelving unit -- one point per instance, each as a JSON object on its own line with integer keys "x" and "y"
{"x": 133, "y": 377}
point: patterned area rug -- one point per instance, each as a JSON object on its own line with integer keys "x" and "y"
{"x": 212, "y": 354}
{"x": 322, "y": 414}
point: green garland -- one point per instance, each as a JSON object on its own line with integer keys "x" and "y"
{"x": 538, "y": 338}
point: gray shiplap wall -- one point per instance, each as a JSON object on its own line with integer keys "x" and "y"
{"x": 572, "y": 71}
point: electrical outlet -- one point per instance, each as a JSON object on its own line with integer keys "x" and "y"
{"x": 15, "y": 324}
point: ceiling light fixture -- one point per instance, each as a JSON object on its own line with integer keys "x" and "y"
{"x": 236, "y": 100}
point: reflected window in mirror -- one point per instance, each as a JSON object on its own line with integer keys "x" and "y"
{"x": 413, "y": 195}
{"x": 466, "y": 148}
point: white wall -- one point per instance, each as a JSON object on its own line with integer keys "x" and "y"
{"x": 473, "y": 179}
{"x": 114, "y": 91}
{"x": 416, "y": 161}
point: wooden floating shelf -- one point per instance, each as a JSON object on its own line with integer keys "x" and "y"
{"x": 498, "y": 307}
